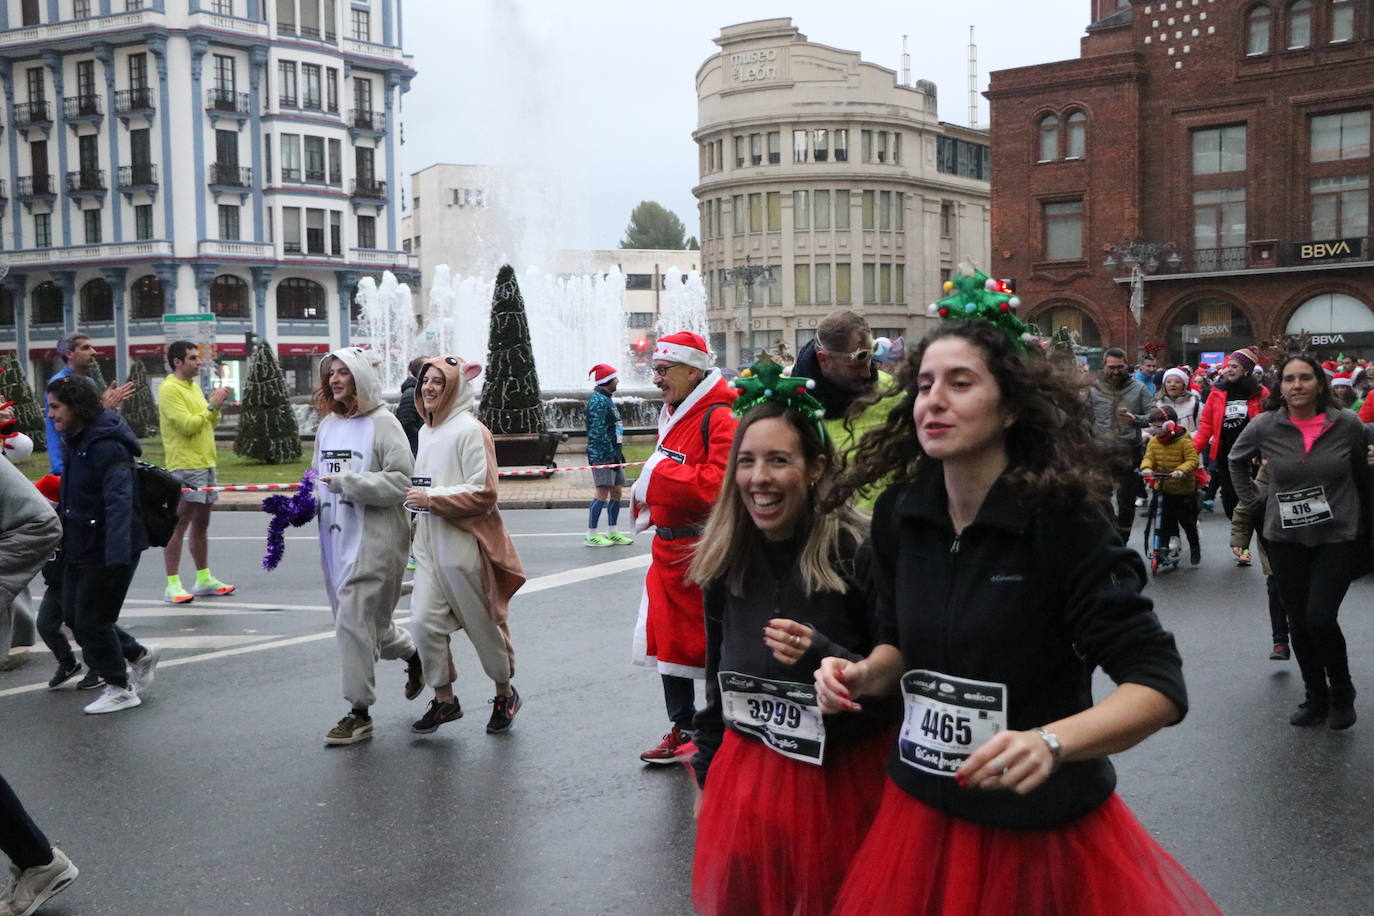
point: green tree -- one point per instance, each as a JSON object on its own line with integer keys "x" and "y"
{"x": 26, "y": 411}
{"x": 267, "y": 426}
{"x": 138, "y": 409}
{"x": 654, "y": 226}
{"x": 510, "y": 394}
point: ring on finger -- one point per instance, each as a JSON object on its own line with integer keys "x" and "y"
{"x": 1001, "y": 766}
{"x": 796, "y": 640}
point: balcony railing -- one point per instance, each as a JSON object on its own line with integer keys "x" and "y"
{"x": 226, "y": 100}
{"x": 70, "y": 29}
{"x": 31, "y": 186}
{"x": 26, "y": 113}
{"x": 227, "y": 175}
{"x": 143, "y": 175}
{"x": 128, "y": 101}
{"x": 84, "y": 180}
{"x": 82, "y": 106}
{"x": 363, "y": 119}
{"x": 372, "y": 49}
{"x": 106, "y": 252}
{"x": 1206, "y": 260}
{"x": 368, "y": 188}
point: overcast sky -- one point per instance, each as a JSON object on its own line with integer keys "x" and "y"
{"x": 602, "y": 92}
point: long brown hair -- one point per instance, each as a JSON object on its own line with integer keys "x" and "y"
{"x": 1054, "y": 459}
{"x": 323, "y": 399}
{"x": 731, "y": 540}
{"x": 1324, "y": 398}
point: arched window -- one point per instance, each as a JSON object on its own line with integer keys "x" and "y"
{"x": 148, "y": 299}
{"x": 1331, "y": 313}
{"x": 47, "y": 303}
{"x": 1257, "y": 23}
{"x": 1076, "y": 135}
{"x": 1300, "y": 24}
{"x": 1207, "y": 326}
{"x": 300, "y": 298}
{"x": 1049, "y": 138}
{"x": 1080, "y": 327}
{"x": 6, "y": 306}
{"x": 97, "y": 301}
{"x": 229, "y": 297}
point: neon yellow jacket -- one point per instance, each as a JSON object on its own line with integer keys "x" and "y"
{"x": 846, "y": 439}
{"x": 188, "y": 425}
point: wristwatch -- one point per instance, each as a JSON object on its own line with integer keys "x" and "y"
{"x": 1056, "y": 749}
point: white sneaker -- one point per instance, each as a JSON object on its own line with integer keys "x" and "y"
{"x": 1175, "y": 548}
{"x": 141, "y": 671}
{"x": 113, "y": 700}
{"x": 35, "y": 886}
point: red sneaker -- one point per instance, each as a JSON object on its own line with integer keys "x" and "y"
{"x": 1281, "y": 653}
{"x": 671, "y": 749}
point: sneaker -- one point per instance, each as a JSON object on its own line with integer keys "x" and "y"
{"x": 351, "y": 729}
{"x": 64, "y": 674}
{"x": 438, "y": 713}
{"x": 177, "y": 595}
{"x": 415, "y": 678}
{"x": 503, "y": 710}
{"x": 1195, "y": 554}
{"x": 1244, "y": 558}
{"x": 113, "y": 700}
{"x": 17, "y": 661}
{"x": 141, "y": 671}
{"x": 35, "y": 886}
{"x": 92, "y": 681}
{"x": 615, "y": 537}
{"x": 1208, "y": 506}
{"x": 211, "y": 587}
{"x": 1140, "y": 502}
{"x": 1280, "y": 653}
{"x": 671, "y": 749}
{"x": 598, "y": 540}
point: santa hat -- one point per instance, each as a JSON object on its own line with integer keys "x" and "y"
{"x": 1342, "y": 380}
{"x": 602, "y": 373}
{"x": 1180, "y": 373}
{"x": 1329, "y": 367}
{"x": 50, "y": 485}
{"x": 684, "y": 347}
{"x": 1248, "y": 356}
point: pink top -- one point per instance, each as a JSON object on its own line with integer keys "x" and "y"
{"x": 1311, "y": 429}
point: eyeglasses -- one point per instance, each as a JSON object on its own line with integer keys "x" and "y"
{"x": 861, "y": 355}
{"x": 662, "y": 371}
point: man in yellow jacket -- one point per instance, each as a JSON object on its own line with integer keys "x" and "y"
{"x": 188, "y": 435}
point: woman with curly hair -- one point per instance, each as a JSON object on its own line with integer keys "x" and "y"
{"x": 1000, "y": 585}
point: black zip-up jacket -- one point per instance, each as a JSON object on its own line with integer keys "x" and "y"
{"x": 1034, "y": 600}
{"x": 409, "y": 415}
{"x": 841, "y": 623}
{"x": 100, "y": 521}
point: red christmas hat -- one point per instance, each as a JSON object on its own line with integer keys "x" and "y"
{"x": 602, "y": 373}
{"x": 684, "y": 347}
{"x": 50, "y": 485}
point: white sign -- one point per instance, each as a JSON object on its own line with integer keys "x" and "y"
{"x": 754, "y": 66}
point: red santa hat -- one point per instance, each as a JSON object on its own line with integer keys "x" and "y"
{"x": 684, "y": 347}
{"x": 602, "y": 373}
{"x": 50, "y": 485}
{"x": 1329, "y": 367}
{"x": 1342, "y": 380}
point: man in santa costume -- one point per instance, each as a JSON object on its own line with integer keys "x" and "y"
{"x": 673, "y": 496}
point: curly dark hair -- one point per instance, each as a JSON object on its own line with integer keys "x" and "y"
{"x": 78, "y": 394}
{"x": 1324, "y": 397}
{"x": 1055, "y": 461}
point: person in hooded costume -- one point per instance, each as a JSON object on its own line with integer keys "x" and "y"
{"x": 466, "y": 565}
{"x": 363, "y": 461}
{"x": 673, "y": 495}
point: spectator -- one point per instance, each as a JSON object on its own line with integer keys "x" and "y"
{"x": 78, "y": 356}
{"x": 29, "y": 532}
{"x": 605, "y": 445}
{"x": 1147, "y": 374}
{"x": 405, "y": 407}
{"x": 1119, "y": 405}
{"x": 188, "y": 436}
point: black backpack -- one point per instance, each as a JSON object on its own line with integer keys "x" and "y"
{"x": 159, "y": 494}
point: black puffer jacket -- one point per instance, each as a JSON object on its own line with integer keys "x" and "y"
{"x": 100, "y": 524}
{"x": 408, "y": 415}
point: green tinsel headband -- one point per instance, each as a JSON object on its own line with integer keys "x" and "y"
{"x": 973, "y": 295}
{"x": 764, "y": 381}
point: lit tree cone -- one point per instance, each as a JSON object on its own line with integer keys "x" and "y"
{"x": 26, "y": 411}
{"x": 267, "y": 426}
{"x": 139, "y": 409}
{"x": 510, "y": 393}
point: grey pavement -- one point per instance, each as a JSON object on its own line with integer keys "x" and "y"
{"x": 217, "y": 796}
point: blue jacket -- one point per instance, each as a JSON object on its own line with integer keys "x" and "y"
{"x": 100, "y": 522}
{"x": 602, "y": 419}
{"x": 54, "y": 446}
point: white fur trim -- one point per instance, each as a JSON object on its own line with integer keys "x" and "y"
{"x": 677, "y": 353}
{"x": 601, "y": 381}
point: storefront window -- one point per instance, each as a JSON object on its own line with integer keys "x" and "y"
{"x": 1335, "y": 324}
{"x": 1080, "y": 326}
{"x": 1208, "y": 326}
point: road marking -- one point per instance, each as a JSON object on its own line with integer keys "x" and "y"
{"x": 539, "y": 584}
{"x": 193, "y": 608}
{"x": 183, "y": 642}
{"x": 190, "y": 610}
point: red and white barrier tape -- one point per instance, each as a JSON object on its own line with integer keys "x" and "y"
{"x": 251, "y": 487}
{"x": 585, "y": 467}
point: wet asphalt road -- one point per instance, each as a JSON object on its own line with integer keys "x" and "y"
{"x": 217, "y": 796}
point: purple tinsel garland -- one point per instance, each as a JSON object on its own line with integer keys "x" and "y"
{"x": 287, "y": 510}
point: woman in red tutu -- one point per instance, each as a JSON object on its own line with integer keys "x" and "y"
{"x": 787, "y": 794}
{"x": 1000, "y": 585}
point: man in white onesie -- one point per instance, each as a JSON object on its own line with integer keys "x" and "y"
{"x": 466, "y": 567}
{"x": 363, "y": 460}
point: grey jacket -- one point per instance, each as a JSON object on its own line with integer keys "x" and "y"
{"x": 1107, "y": 404}
{"x": 29, "y": 531}
{"x": 1314, "y": 497}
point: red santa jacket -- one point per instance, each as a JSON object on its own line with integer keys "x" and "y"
{"x": 1214, "y": 413}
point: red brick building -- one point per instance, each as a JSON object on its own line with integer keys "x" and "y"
{"x": 1239, "y": 131}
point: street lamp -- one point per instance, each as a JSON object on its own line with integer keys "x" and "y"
{"x": 1141, "y": 259}
{"x": 747, "y": 276}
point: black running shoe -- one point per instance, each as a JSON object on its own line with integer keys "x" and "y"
{"x": 503, "y": 710}
{"x": 438, "y": 713}
{"x": 92, "y": 681}
{"x": 415, "y": 678}
{"x": 64, "y": 674}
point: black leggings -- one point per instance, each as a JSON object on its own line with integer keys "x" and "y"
{"x": 679, "y": 695}
{"x": 20, "y": 838}
{"x": 1312, "y": 582}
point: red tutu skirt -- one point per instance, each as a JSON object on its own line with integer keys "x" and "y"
{"x": 919, "y": 861}
{"x": 776, "y": 835}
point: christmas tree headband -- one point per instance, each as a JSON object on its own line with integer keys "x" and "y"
{"x": 975, "y": 296}
{"x": 764, "y": 381}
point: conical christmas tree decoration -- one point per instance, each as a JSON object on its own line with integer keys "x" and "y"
{"x": 267, "y": 426}
{"x": 98, "y": 377}
{"x": 138, "y": 409}
{"x": 26, "y": 409}
{"x": 973, "y": 295}
{"x": 510, "y": 392}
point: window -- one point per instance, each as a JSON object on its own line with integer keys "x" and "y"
{"x": 362, "y": 25}
{"x": 47, "y": 303}
{"x": 85, "y": 87}
{"x": 822, "y": 288}
{"x": 29, "y": 12}
{"x": 314, "y": 159}
{"x": 362, "y": 97}
{"x": 1076, "y": 135}
{"x": 1219, "y": 149}
{"x": 229, "y": 296}
{"x": 820, "y": 145}
{"x": 224, "y": 73}
{"x": 1257, "y": 23}
{"x": 364, "y": 167}
{"x": 290, "y": 157}
{"x": 229, "y": 222}
{"x": 33, "y": 79}
{"x": 310, "y": 84}
{"x": 885, "y": 283}
{"x": 42, "y": 230}
{"x": 291, "y": 230}
{"x": 1063, "y": 230}
{"x": 286, "y": 83}
{"x": 737, "y": 208}
{"x": 92, "y": 220}
{"x": 227, "y": 149}
{"x": 97, "y": 301}
{"x": 1340, "y": 207}
{"x": 898, "y": 211}
{"x": 946, "y": 219}
{"x": 870, "y": 284}
{"x": 899, "y": 289}
{"x": 883, "y": 154}
{"x": 774, "y": 211}
{"x": 1218, "y": 223}
{"x": 841, "y": 209}
{"x": 866, "y": 145}
{"x": 801, "y": 210}
{"x": 300, "y": 298}
{"x": 739, "y": 152}
{"x": 314, "y": 231}
{"x": 138, "y": 71}
{"x": 336, "y": 161}
{"x": 801, "y": 284}
{"x": 842, "y": 145}
{"x": 1300, "y": 24}
{"x": 1049, "y": 138}
{"x": 1342, "y": 20}
{"x": 143, "y": 223}
{"x": 774, "y": 147}
{"x": 286, "y": 16}
{"x": 335, "y": 232}
{"x": 755, "y": 212}
{"x": 799, "y": 148}
{"x": 639, "y": 281}
{"x": 147, "y": 300}
{"x": 1340, "y": 136}
{"x": 842, "y": 284}
{"x": 223, "y": 7}
{"x": 141, "y": 149}
{"x": 884, "y": 209}
{"x": 962, "y": 158}
{"x": 367, "y": 232}
{"x": 719, "y": 230}
{"x": 896, "y": 148}
{"x": 869, "y": 209}
{"x": 822, "y": 212}
{"x": 331, "y": 89}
